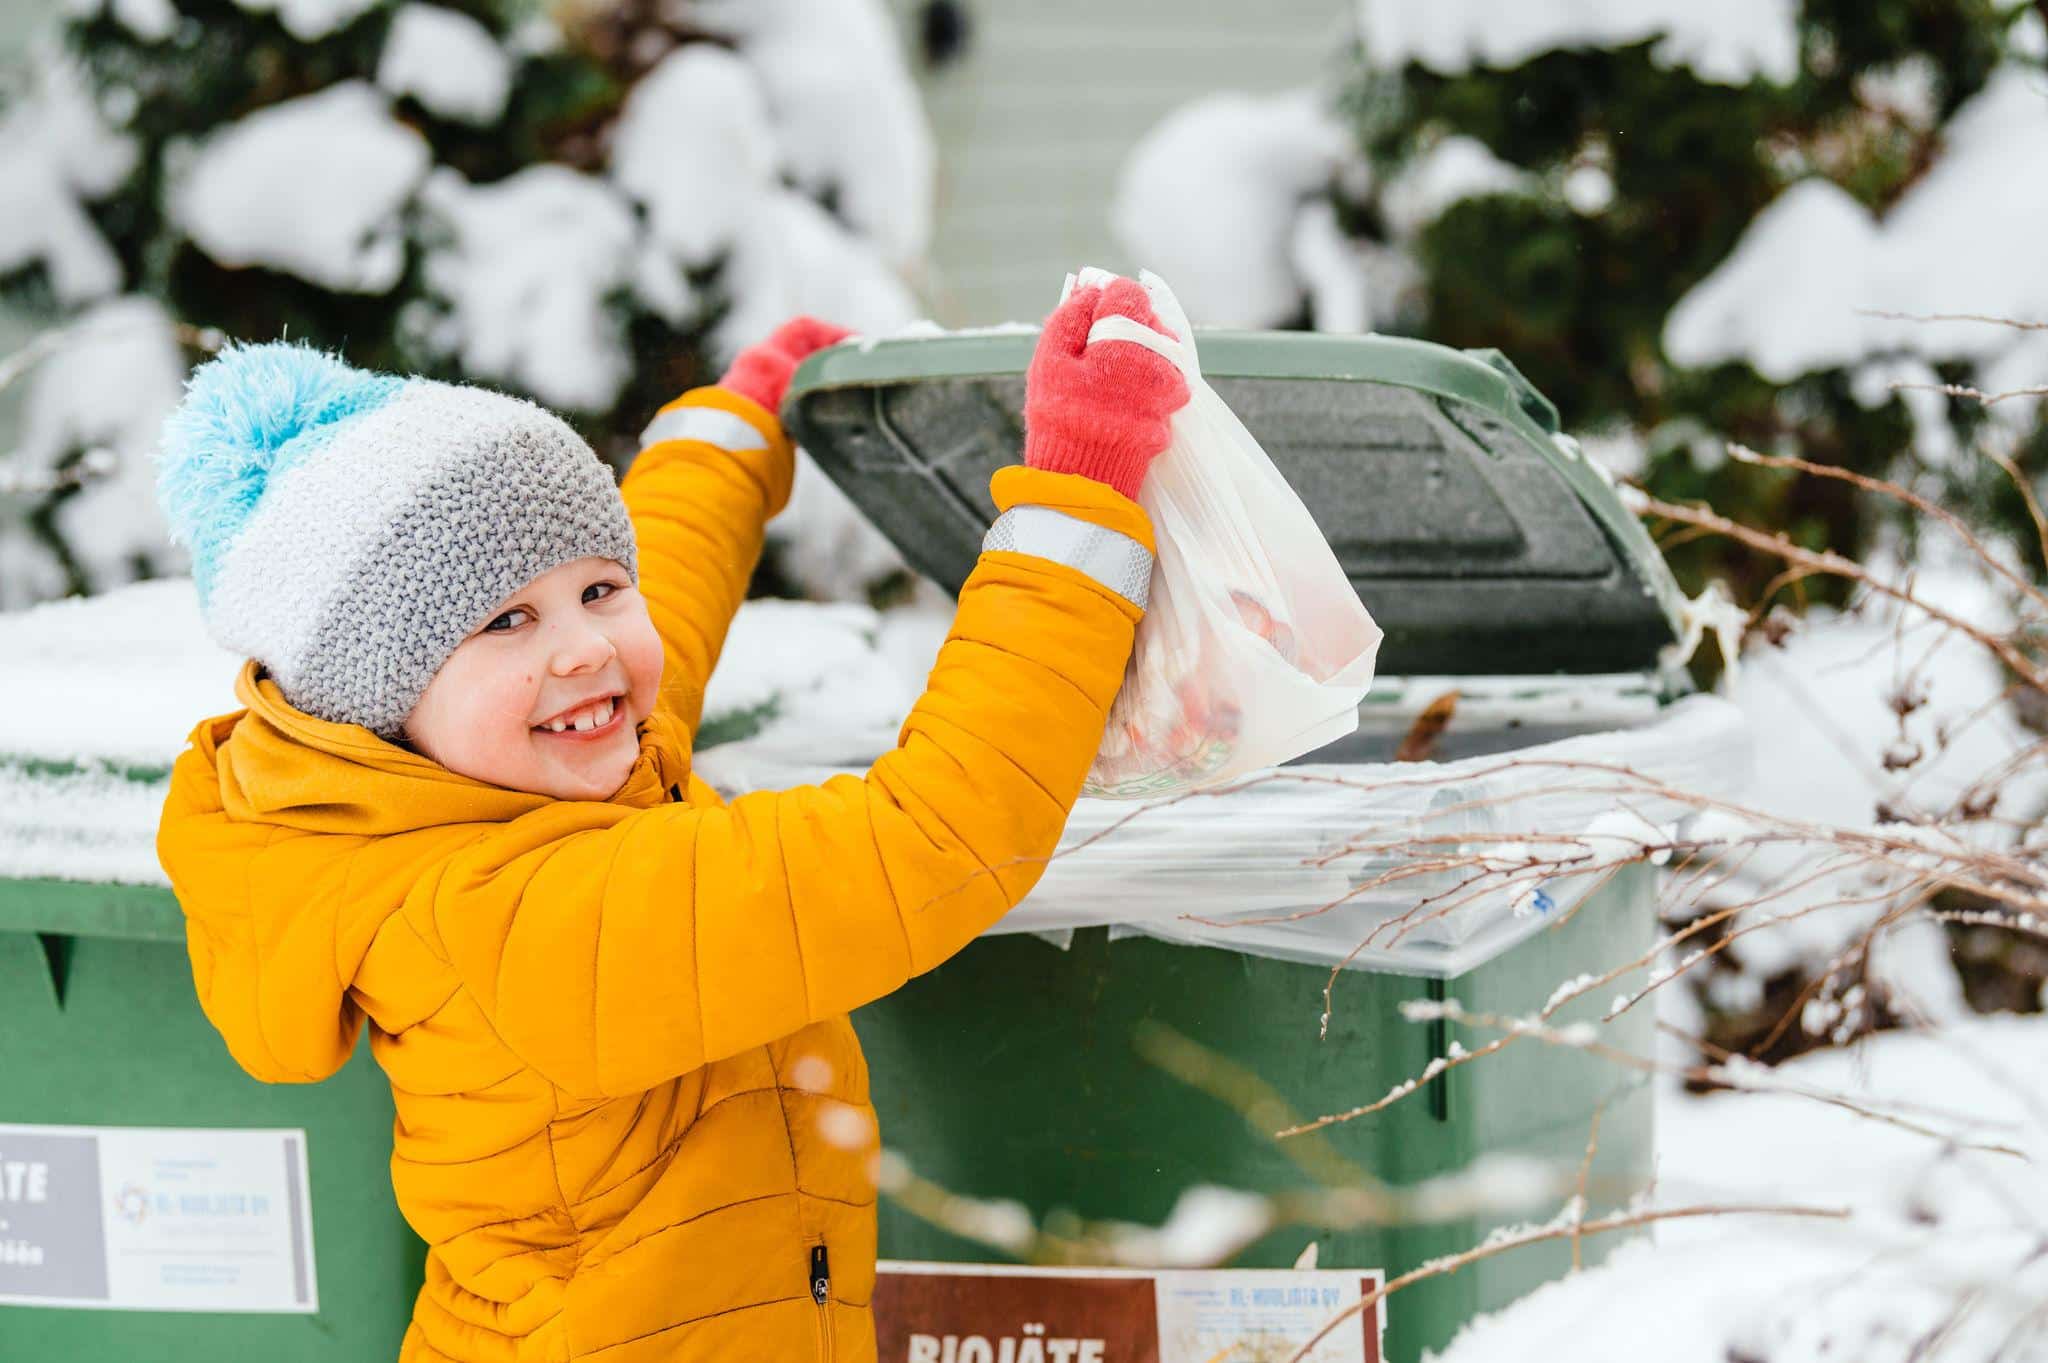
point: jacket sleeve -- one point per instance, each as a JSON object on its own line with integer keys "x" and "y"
{"x": 613, "y": 949}
{"x": 712, "y": 469}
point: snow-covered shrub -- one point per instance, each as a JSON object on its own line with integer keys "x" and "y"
{"x": 595, "y": 212}
{"x": 1676, "y": 219}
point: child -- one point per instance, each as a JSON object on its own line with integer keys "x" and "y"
{"x": 633, "y": 1120}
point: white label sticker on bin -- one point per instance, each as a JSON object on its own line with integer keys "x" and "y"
{"x": 990, "y": 1313}
{"x": 125, "y": 1218}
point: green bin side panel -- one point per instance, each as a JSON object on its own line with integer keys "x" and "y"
{"x": 129, "y": 1046}
{"x": 1011, "y": 1072}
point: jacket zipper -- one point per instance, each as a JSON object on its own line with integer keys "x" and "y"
{"x": 821, "y": 1294}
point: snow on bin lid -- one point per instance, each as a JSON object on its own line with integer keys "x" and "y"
{"x": 1482, "y": 541}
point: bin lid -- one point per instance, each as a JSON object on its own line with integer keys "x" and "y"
{"x": 1480, "y": 538}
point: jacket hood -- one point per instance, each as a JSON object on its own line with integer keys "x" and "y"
{"x": 289, "y": 840}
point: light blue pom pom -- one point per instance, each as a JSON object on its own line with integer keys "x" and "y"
{"x": 247, "y": 414}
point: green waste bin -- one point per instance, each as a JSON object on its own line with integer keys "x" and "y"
{"x": 1498, "y": 561}
{"x": 154, "y": 1196}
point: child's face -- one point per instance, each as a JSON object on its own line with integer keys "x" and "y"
{"x": 573, "y": 647}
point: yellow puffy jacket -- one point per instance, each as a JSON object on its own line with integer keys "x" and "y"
{"x": 633, "y": 1120}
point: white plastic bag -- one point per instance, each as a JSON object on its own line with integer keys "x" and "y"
{"x": 1255, "y": 648}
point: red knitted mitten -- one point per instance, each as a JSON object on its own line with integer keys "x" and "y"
{"x": 1101, "y": 410}
{"x": 762, "y": 371}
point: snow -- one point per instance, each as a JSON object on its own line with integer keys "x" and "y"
{"x": 107, "y": 387}
{"x": 1332, "y": 266}
{"x": 1778, "y": 302}
{"x": 849, "y": 117}
{"x": 1800, "y": 290}
{"x": 57, "y": 154}
{"x": 716, "y": 194}
{"x": 309, "y": 20}
{"x": 525, "y": 273}
{"x": 1450, "y": 169}
{"x": 153, "y": 21}
{"x": 447, "y": 61}
{"x": 1210, "y": 197}
{"x": 1820, "y": 708}
{"x": 791, "y": 257}
{"x": 827, "y": 687}
{"x": 826, "y": 544}
{"x": 311, "y": 186}
{"x": 1730, "y": 42}
{"x": 1932, "y": 1224}
{"x": 71, "y": 670}
{"x": 697, "y": 189}
{"x": 837, "y": 700}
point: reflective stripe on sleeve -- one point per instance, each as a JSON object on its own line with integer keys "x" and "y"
{"x": 712, "y": 425}
{"x": 1115, "y": 560}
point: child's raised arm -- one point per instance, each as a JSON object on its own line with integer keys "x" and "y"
{"x": 612, "y": 949}
{"x": 714, "y": 467}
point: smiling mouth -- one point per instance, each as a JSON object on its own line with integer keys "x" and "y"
{"x": 594, "y": 720}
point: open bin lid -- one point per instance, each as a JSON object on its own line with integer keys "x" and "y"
{"x": 1482, "y": 541}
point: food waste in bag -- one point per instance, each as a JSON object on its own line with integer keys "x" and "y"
{"x": 1255, "y": 648}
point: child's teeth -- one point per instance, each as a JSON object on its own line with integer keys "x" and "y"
{"x": 586, "y": 721}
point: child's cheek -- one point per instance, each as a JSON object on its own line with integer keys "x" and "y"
{"x": 639, "y": 648}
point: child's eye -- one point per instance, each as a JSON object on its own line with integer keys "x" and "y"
{"x": 504, "y": 623}
{"x": 598, "y": 591}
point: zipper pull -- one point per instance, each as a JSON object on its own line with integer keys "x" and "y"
{"x": 821, "y": 1275}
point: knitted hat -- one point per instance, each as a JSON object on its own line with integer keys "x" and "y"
{"x": 349, "y": 529}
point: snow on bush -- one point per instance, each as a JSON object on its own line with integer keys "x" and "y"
{"x": 697, "y": 190}
{"x": 1729, "y": 42}
{"x": 310, "y": 20}
{"x": 1229, "y": 196}
{"x": 57, "y": 154}
{"x": 312, "y": 186}
{"x": 703, "y": 214}
{"x": 1210, "y": 198}
{"x": 1454, "y": 168}
{"x": 106, "y": 391}
{"x": 845, "y": 109}
{"x": 447, "y": 61}
{"x": 525, "y": 273}
{"x": 1962, "y": 239}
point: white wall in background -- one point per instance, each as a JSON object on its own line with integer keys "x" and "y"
{"x": 1036, "y": 117}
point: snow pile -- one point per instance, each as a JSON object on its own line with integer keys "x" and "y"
{"x": 104, "y": 389}
{"x": 806, "y": 685}
{"x": 1210, "y": 199}
{"x": 1942, "y": 1244}
{"x": 312, "y": 186}
{"x": 114, "y": 680}
{"x": 1798, "y": 292}
{"x": 310, "y": 20}
{"x": 845, "y": 109}
{"x": 525, "y": 275}
{"x": 57, "y": 154}
{"x": 447, "y": 61}
{"x": 1729, "y": 42}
